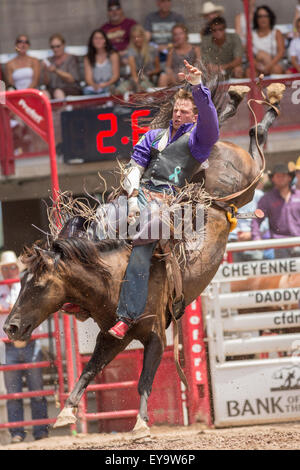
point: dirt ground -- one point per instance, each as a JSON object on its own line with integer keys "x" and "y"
{"x": 195, "y": 437}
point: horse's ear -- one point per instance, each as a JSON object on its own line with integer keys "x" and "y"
{"x": 48, "y": 255}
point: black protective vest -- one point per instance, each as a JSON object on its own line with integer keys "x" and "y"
{"x": 174, "y": 165}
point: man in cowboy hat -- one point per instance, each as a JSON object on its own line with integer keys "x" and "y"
{"x": 17, "y": 353}
{"x": 282, "y": 207}
{"x": 209, "y": 12}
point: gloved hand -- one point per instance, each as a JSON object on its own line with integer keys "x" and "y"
{"x": 193, "y": 74}
{"x": 133, "y": 210}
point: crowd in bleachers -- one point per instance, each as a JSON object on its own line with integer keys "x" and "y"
{"x": 124, "y": 56}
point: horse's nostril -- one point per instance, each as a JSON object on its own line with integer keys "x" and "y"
{"x": 11, "y": 330}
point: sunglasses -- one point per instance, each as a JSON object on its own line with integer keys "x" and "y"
{"x": 9, "y": 268}
{"x": 56, "y": 46}
{"x": 115, "y": 8}
{"x": 263, "y": 16}
{"x": 21, "y": 41}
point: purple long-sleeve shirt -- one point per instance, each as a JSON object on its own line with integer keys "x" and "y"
{"x": 203, "y": 136}
{"x": 284, "y": 216}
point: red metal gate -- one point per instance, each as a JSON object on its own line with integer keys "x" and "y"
{"x": 169, "y": 403}
{"x": 58, "y": 393}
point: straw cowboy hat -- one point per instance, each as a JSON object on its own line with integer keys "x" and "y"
{"x": 8, "y": 257}
{"x": 210, "y": 7}
{"x": 295, "y": 166}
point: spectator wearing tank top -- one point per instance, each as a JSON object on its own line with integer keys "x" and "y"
{"x": 101, "y": 65}
{"x": 22, "y": 71}
{"x": 143, "y": 61}
{"x": 294, "y": 51}
{"x": 181, "y": 50}
{"x": 267, "y": 42}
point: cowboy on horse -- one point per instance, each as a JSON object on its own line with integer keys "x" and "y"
{"x": 162, "y": 160}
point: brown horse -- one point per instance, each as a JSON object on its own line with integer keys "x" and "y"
{"x": 80, "y": 271}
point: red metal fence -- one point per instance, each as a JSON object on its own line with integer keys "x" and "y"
{"x": 57, "y": 363}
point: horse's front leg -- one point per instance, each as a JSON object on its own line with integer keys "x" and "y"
{"x": 153, "y": 351}
{"x": 105, "y": 351}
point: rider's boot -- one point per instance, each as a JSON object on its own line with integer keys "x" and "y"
{"x": 120, "y": 329}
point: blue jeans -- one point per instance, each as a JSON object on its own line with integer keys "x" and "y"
{"x": 34, "y": 380}
{"x": 134, "y": 290}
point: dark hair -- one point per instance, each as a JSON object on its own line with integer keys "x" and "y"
{"x": 161, "y": 102}
{"x": 271, "y": 14}
{"x": 215, "y": 21}
{"x": 91, "y": 54}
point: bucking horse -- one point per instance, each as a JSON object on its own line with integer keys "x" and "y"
{"x": 73, "y": 268}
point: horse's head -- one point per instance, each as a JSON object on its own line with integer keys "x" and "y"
{"x": 42, "y": 293}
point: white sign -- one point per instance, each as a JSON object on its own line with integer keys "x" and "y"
{"x": 249, "y": 269}
{"x": 263, "y": 391}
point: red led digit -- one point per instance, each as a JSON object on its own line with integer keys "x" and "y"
{"x": 109, "y": 133}
{"x": 136, "y": 129}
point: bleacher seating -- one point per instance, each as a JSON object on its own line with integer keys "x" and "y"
{"x": 80, "y": 51}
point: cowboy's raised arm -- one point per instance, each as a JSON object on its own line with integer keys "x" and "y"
{"x": 206, "y": 132}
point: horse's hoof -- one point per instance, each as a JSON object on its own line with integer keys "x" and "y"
{"x": 141, "y": 430}
{"x": 65, "y": 417}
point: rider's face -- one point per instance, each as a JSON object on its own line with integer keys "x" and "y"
{"x": 183, "y": 113}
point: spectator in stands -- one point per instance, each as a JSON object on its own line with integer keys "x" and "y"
{"x": 159, "y": 26}
{"x": 222, "y": 50}
{"x": 241, "y": 24}
{"x": 296, "y": 17}
{"x": 296, "y": 168}
{"x": 209, "y": 12}
{"x": 20, "y": 352}
{"x": 181, "y": 50}
{"x": 143, "y": 61}
{"x": 117, "y": 30}
{"x": 294, "y": 51}
{"x": 268, "y": 42}
{"x": 101, "y": 65}
{"x": 22, "y": 71}
{"x": 61, "y": 73}
{"x": 242, "y": 232}
{"x": 282, "y": 207}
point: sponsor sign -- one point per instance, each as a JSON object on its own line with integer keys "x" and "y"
{"x": 260, "y": 298}
{"x": 257, "y": 392}
{"x": 31, "y": 110}
{"x": 249, "y": 269}
{"x": 196, "y": 344}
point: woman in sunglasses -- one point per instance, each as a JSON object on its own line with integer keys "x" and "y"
{"x": 22, "y": 71}
{"x": 61, "y": 70}
{"x": 267, "y": 42}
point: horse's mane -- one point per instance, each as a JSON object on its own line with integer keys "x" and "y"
{"x": 62, "y": 253}
{"x": 161, "y": 102}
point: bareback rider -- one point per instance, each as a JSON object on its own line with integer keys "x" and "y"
{"x": 162, "y": 158}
